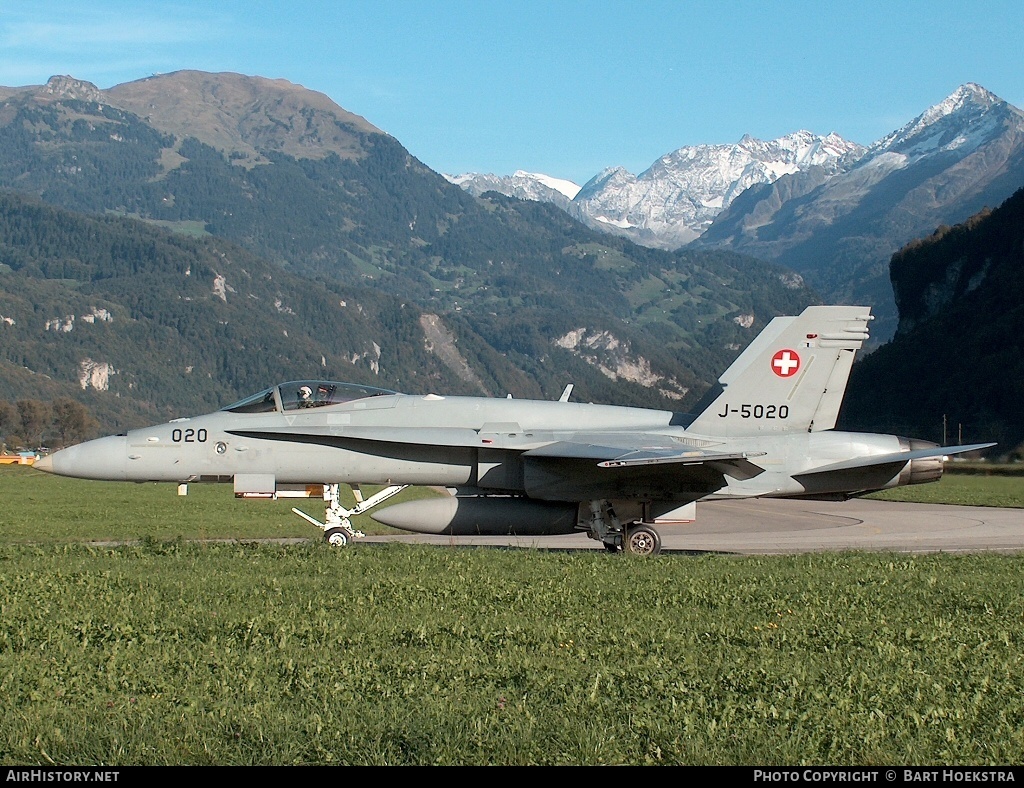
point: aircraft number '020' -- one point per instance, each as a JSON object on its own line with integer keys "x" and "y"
{"x": 757, "y": 411}
{"x": 189, "y": 436}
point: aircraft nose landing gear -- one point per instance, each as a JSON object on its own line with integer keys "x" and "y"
{"x": 338, "y": 537}
{"x": 337, "y": 526}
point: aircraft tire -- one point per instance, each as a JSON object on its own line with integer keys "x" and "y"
{"x": 336, "y": 537}
{"x": 642, "y": 540}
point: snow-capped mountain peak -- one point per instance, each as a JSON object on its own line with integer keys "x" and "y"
{"x": 967, "y": 95}
{"x": 568, "y": 188}
{"x": 945, "y": 165}
{"x": 683, "y": 192}
{"x": 679, "y": 195}
{"x": 676, "y": 198}
{"x": 521, "y": 184}
{"x": 969, "y": 115}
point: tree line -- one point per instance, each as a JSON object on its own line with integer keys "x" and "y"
{"x": 30, "y": 424}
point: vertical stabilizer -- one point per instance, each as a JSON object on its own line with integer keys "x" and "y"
{"x": 791, "y": 378}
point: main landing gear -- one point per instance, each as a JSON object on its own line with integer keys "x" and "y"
{"x": 337, "y": 526}
{"x": 636, "y": 538}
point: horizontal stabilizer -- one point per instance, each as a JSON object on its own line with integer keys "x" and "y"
{"x": 894, "y": 458}
{"x": 735, "y": 465}
{"x": 661, "y": 458}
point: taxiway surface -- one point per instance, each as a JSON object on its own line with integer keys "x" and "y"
{"x": 779, "y": 527}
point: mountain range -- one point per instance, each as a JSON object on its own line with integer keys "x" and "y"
{"x": 175, "y": 243}
{"x": 676, "y": 199}
{"x": 832, "y": 210}
{"x": 445, "y": 291}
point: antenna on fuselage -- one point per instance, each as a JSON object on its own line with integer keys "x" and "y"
{"x": 565, "y": 393}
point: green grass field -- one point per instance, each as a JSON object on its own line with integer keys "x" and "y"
{"x": 168, "y": 651}
{"x": 38, "y": 507}
{"x": 964, "y": 489}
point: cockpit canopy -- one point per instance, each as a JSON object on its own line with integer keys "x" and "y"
{"x": 298, "y": 394}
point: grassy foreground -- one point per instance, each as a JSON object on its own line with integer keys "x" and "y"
{"x": 181, "y": 653}
{"x": 173, "y": 652}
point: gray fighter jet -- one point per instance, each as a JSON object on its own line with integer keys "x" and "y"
{"x": 529, "y": 467}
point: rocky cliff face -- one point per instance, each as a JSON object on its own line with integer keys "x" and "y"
{"x": 65, "y": 87}
{"x": 958, "y": 358}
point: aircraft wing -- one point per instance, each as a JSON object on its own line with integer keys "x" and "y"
{"x": 560, "y": 466}
{"x": 634, "y": 466}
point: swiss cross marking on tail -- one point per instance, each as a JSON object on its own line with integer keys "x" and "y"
{"x": 785, "y": 363}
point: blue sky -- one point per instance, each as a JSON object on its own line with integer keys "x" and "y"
{"x": 563, "y": 87}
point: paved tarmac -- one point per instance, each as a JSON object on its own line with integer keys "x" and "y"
{"x": 780, "y": 527}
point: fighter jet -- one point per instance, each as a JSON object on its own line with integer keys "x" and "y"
{"x": 528, "y": 467}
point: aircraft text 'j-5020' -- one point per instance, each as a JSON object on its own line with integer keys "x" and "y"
{"x": 528, "y": 467}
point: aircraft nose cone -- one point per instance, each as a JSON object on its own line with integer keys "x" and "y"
{"x": 103, "y": 458}
{"x": 44, "y": 464}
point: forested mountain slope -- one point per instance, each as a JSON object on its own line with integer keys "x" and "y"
{"x": 531, "y": 298}
{"x": 956, "y": 364}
